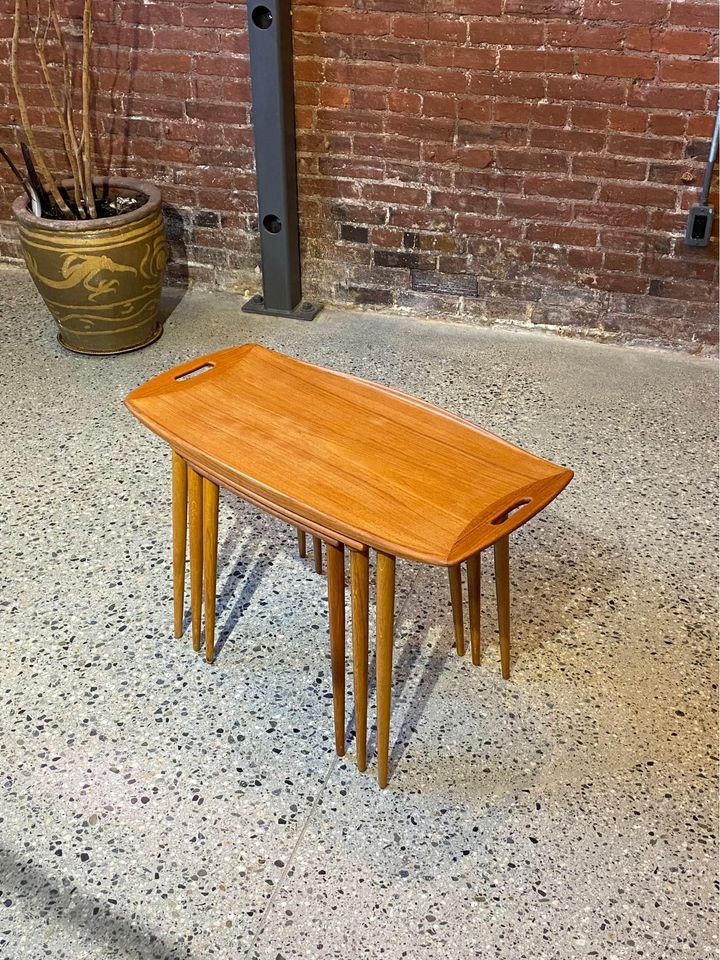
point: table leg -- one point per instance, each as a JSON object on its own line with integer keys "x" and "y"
{"x": 179, "y": 530}
{"x": 302, "y": 546}
{"x": 317, "y": 553}
{"x": 457, "y": 608}
{"x": 359, "y": 575}
{"x": 473, "y": 576}
{"x": 336, "y": 605}
{"x": 210, "y": 549}
{"x": 502, "y": 590}
{"x": 195, "y": 492}
{"x": 384, "y": 645}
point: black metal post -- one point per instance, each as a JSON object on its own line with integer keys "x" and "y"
{"x": 273, "y": 114}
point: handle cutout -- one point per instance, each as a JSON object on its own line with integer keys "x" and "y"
{"x": 506, "y": 514}
{"x": 195, "y": 372}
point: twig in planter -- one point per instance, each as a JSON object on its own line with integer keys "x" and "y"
{"x": 86, "y": 133}
{"x": 25, "y": 119}
{"x": 68, "y": 95}
{"x": 34, "y": 181}
{"x": 62, "y": 118}
{"x": 18, "y": 175}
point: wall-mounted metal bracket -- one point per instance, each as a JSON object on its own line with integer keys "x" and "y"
{"x": 273, "y": 115}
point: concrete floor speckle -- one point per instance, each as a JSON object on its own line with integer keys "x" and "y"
{"x": 155, "y": 807}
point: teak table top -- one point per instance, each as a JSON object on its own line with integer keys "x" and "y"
{"x": 365, "y": 463}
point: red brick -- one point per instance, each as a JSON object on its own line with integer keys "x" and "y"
{"x": 483, "y": 226}
{"x": 592, "y": 91}
{"x": 584, "y": 36}
{"x": 366, "y": 23}
{"x": 627, "y": 11}
{"x": 605, "y": 65}
{"x": 641, "y": 194}
{"x": 422, "y": 79}
{"x": 475, "y": 109}
{"x": 572, "y": 236}
{"x": 520, "y": 61}
{"x": 531, "y": 209}
{"x": 430, "y": 28}
{"x": 584, "y": 258}
{"x": 630, "y": 121}
{"x": 617, "y": 215}
{"x": 656, "y": 97}
{"x": 571, "y": 141}
{"x": 686, "y": 14}
{"x": 512, "y": 111}
{"x": 681, "y": 42}
{"x": 461, "y": 58}
{"x": 700, "y": 126}
{"x": 689, "y": 71}
{"x": 513, "y": 33}
{"x": 667, "y": 124}
{"x": 400, "y": 101}
{"x": 532, "y": 160}
{"x": 609, "y": 167}
{"x": 544, "y": 8}
{"x": 655, "y": 147}
{"x": 589, "y": 118}
{"x": 562, "y": 188}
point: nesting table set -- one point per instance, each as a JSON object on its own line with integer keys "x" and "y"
{"x": 359, "y": 467}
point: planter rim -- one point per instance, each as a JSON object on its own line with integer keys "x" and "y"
{"x": 27, "y": 218}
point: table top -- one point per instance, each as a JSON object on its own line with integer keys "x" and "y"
{"x": 365, "y": 462}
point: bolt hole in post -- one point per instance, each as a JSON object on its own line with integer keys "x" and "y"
{"x": 262, "y": 18}
{"x": 272, "y": 224}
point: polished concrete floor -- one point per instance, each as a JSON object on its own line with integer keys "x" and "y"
{"x": 153, "y": 806}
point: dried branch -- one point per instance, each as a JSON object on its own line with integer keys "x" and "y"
{"x": 63, "y": 119}
{"x": 68, "y": 95}
{"x": 25, "y": 119}
{"x": 87, "y": 143}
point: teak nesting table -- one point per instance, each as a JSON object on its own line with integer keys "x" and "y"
{"x": 358, "y": 466}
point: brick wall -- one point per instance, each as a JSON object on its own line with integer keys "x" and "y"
{"x": 513, "y": 160}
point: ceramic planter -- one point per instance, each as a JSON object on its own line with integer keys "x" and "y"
{"x": 101, "y": 279}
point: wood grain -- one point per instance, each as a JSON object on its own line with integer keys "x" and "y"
{"x": 473, "y": 579}
{"x": 317, "y": 554}
{"x": 359, "y": 578}
{"x": 384, "y": 640}
{"x": 195, "y": 493}
{"x": 457, "y": 608}
{"x": 502, "y": 591}
{"x": 387, "y": 470}
{"x": 336, "y": 605}
{"x": 210, "y": 548}
{"x": 179, "y": 529}
{"x": 302, "y": 545}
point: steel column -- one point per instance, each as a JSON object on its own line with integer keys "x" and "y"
{"x": 273, "y": 115}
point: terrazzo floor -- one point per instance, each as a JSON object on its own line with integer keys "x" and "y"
{"x": 155, "y": 807}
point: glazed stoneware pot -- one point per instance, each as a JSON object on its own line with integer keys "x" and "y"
{"x": 101, "y": 279}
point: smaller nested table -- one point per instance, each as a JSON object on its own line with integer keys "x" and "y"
{"x": 358, "y": 466}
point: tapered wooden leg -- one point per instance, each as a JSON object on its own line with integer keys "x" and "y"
{"x": 473, "y": 576}
{"x": 359, "y": 580}
{"x": 457, "y": 608}
{"x": 195, "y": 494}
{"x": 317, "y": 554}
{"x": 302, "y": 546}
{"x": 210, "y": 548}
{"x": 179, "y": 526}
{"x": 502, "y": 589}
{"x": 336, "y": 605}
{"x": 384, "y": 644}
